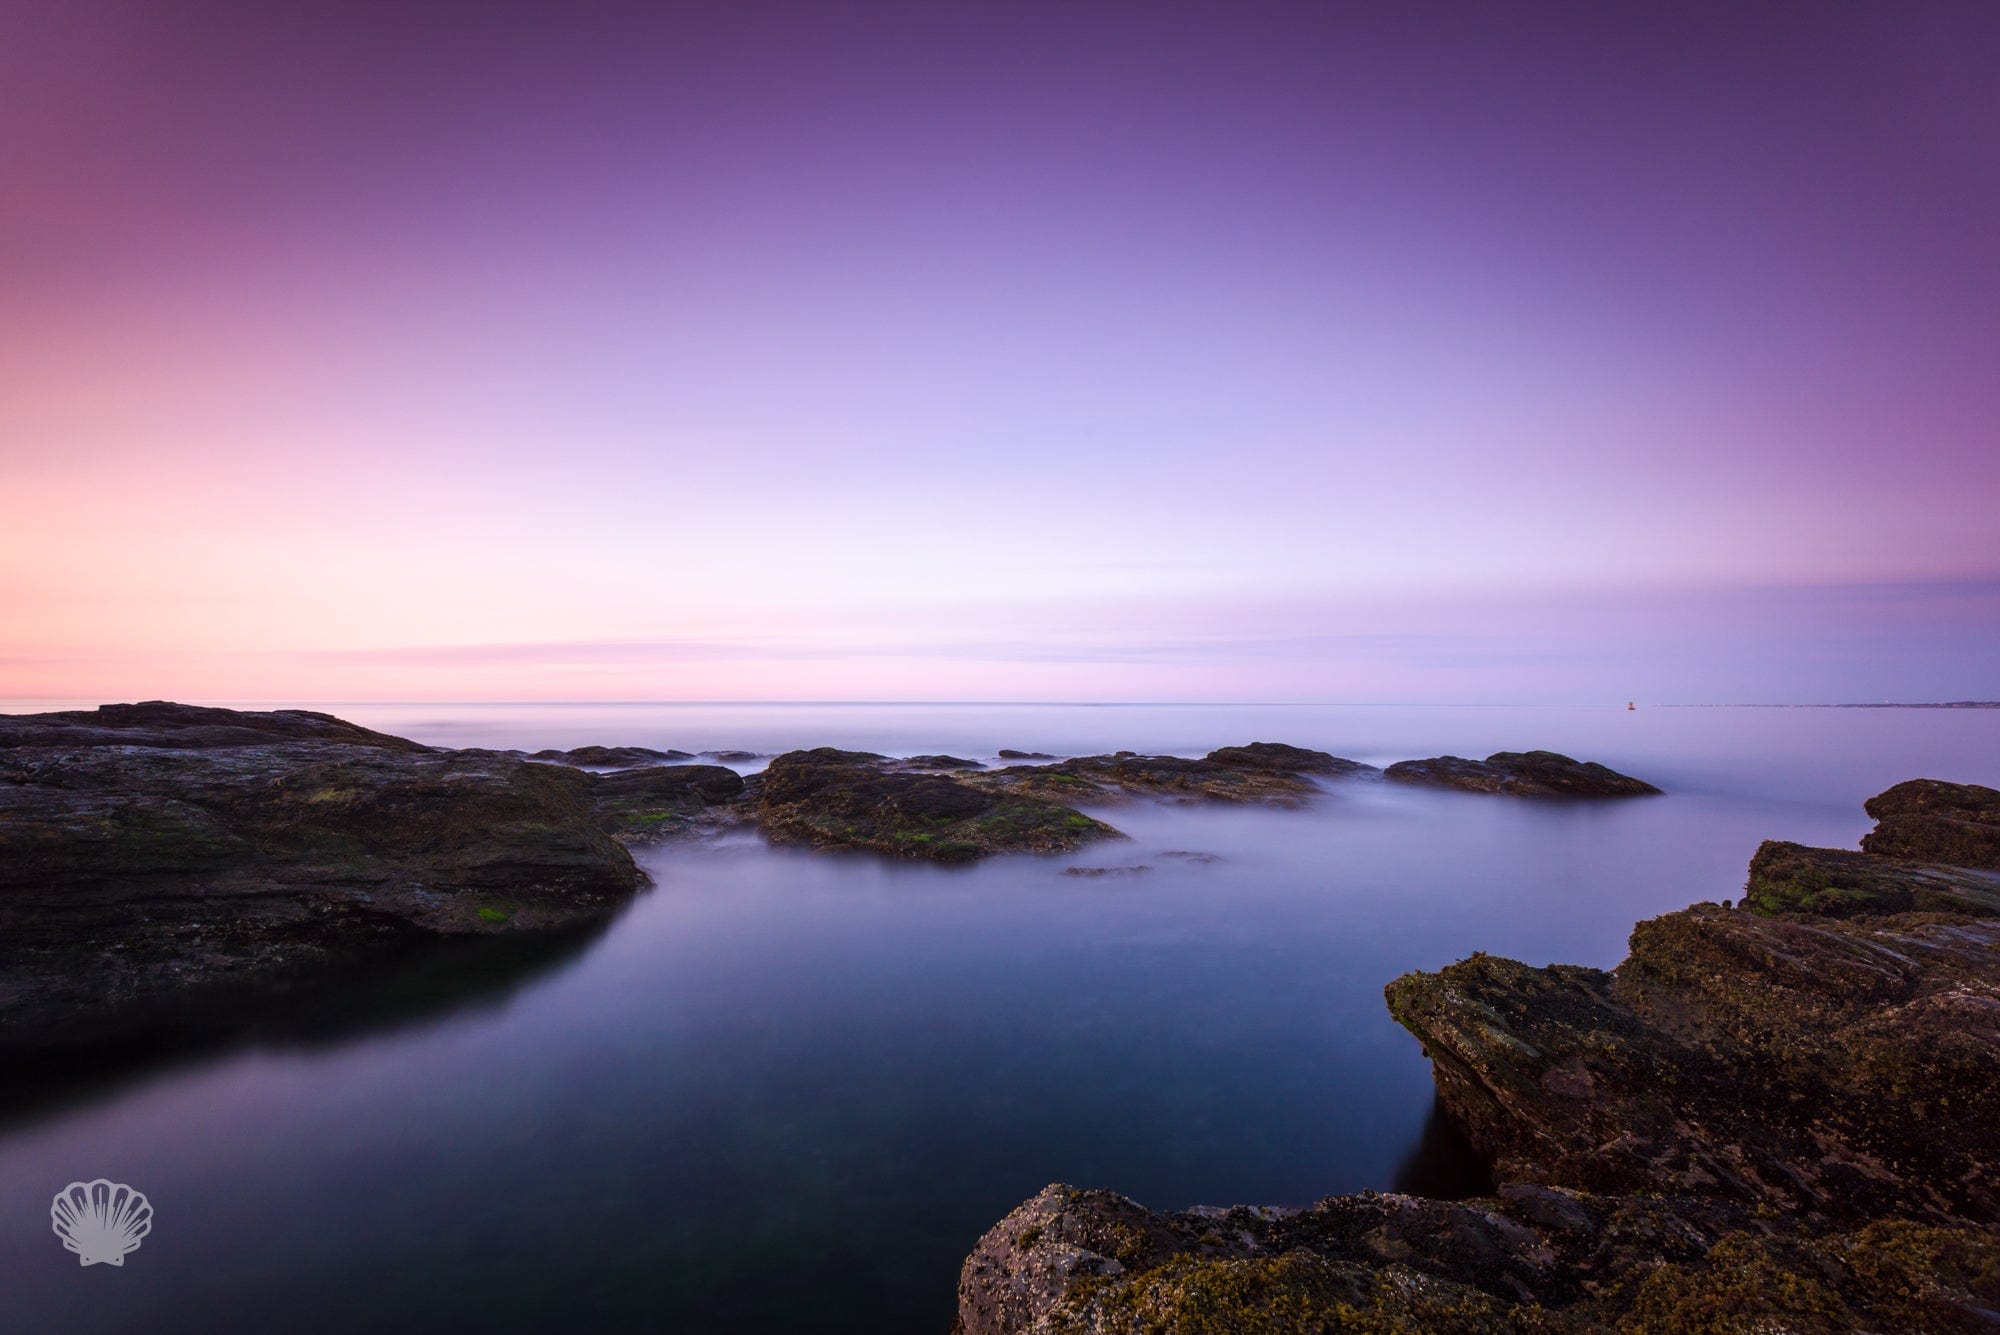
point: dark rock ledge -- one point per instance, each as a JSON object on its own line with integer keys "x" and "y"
{"x": 1268, "y": 772}
{"x": 148, "y": 852}
{"x": 1778, "y": 1117}
{"x": 856, "y": 799}
{"x": 1521, "y": 774}
{"x": 609, "y": 757}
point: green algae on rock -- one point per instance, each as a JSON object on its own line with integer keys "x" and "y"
{"x": 1837, "y": 883}
{"x": 1110, "y": 777}
{"x": 1529, "y": 1259}
{"x": 830, "y": 798}
{"x": 654, "y": 802}
{"x": 1934, "y": 821}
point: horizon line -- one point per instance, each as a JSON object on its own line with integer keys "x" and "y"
{"x": 294, "y": 702}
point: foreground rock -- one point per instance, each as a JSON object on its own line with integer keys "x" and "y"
{"x": 1832, "y": 1049}
{"x": 1778, "y": 1117}
{"x": 152, "y": 851}
{"x": 1533, "y": 1259}
{"x": 857, "y": 799}
{"x": 1521, "y": 774}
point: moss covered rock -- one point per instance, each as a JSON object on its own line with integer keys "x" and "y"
{"x": 1530, "y": 1259}
{"x": 654, "y": 802}
{"x": 1933, "y": 821}
{"x": 831, "y": 799}
{"x": 1833, "y": 882}
{"x": 1122, "y": 773}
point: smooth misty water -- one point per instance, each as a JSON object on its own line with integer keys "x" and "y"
{"x": 787, "y": 1091}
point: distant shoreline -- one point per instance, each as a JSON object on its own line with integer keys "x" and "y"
{"x": 1953, "y": 704}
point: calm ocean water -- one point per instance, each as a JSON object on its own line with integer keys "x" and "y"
{"x": 787, "y": 1091}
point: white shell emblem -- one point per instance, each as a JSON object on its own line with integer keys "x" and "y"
{"x": 101, "y": 1221}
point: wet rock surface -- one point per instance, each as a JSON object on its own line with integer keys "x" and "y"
{"x": 856, "y": 799}
{"x": 1521, "y": 774}
{"x": 1783, "y": 1116}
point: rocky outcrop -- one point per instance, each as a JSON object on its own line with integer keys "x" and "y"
{"x": 857, "y": 799}
{"x": 1832, "y": 1049}
{"x": 1532, "y": 1259}
{"x": 1836, "y": 1067}
{"x": 150, "y": 851}
{"x": 609, "y": 757}
{"x": 163, "y": 725}
{"x": 656, "y": 802}
{"x": 1935, "y": 821}
{"x": 1287, "y": 759}
{"x": 937, "y": 762}
{"x": 1109, "y": 777}
{"x": 1836, "y": 883}
{"x": 1781, "y": 1116}
{"x": 1521, "y": 774}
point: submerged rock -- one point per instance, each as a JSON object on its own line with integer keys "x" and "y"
{"x": 830, "y": 798}
{"x": 151, "y": 851}
{"x": 1521, "y": 773}
{"x": 1287, "y": 759}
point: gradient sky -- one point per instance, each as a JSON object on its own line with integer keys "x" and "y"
{"x": 1253, "y": 352}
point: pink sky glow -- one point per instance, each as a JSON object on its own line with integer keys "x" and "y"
{"x": 1234, "y": 353}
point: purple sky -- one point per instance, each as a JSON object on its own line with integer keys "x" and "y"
{"x": 1330, "y": 352}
